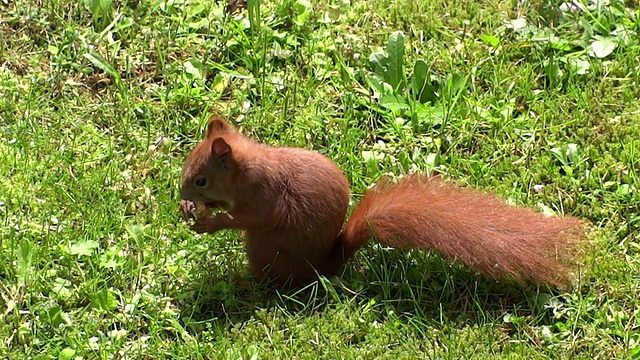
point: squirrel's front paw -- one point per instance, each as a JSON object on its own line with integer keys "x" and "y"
{"x": 205, "y": 225}
{"x": 194, "y": 210}
{"x": 188, "y": 209}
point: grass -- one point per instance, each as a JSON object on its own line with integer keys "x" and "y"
{"x": 100, "y": 104}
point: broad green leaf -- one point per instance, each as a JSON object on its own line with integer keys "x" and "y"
{"x": 429, "y": 115}
{"x": 393, "y": 102}
{"x": 560, "y": 44}
{"x": 101, "y": 10}
{"x": 579, "y": 66}
{"x": 548, "y": 335}
{"x": 378, "y": 87}
{"x": 195, "y": 9}
{"x": 518, "y": 24}
{"x": 66, "y": 354}
{"x": 567, "y": 155}
{"x": 372, "y": 161}
{"x": 490, "y": 40}
{"x": 368, "y": 155}
{"x": 304, "y": 9}
{"x": 623, "y": 190}
{"x": 602, "y": 48}
{"x": 194, "y": 68}
{"x": 572, "y": 152}
{"x": 61, "y": 287}
{"x": 510, "y": 318}
{"x": 586, "y": 25}
{"x": 431, "y": 160}
{"x": 379, "y": 63}
{"x": 220, "y": 83}
{"x": 201, "y": 23}
{"x": 83, "y": 248}
{"x": 93, "y": 6}
{"x": 106, "y": 5}
{"x": 58, "y": 317}
{"x": 568, "y": 170}
{"x": 553, "y": 72}
{"x": 395, "y": 52}
{"x": 454, "y": 85}
{"x": 104, "y": 300}
{"x": 458, "y": 83}
{"x": 233, "y": 353}
{"x": 302, "y": 5}
{"x": 25, "y": 254}
{"x": 560, "y": 155}
{"x": 135, "y": 231}
{"x": 24, "y": 329}
{"x": 102, "y": 64}
{"x": 602, "y": 25}
{"x": 423, "y": 88}
{"x": 126, "y": 22}
{"x": 110, "y": 261}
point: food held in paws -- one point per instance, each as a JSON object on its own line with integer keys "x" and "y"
{"x": 200, "y": 210}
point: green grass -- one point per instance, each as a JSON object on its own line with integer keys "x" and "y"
{"x": 100, "y": 104}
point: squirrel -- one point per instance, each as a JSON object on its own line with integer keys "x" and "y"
{"x": 291, "y": 205}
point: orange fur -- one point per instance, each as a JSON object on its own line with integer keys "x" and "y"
{"x": 291, "y": 204}
{"x": 479, "y": 230}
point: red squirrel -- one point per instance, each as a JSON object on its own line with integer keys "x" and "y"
{"x": 291, "y": 204}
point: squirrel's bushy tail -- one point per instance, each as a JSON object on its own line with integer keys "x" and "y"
{"x": 479, "y": 230}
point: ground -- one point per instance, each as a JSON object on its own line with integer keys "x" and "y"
{"x": 101, "y": 101}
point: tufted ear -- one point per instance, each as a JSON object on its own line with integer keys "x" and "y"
{"x": 217, "y": 126}
{"x": 219, "y": 148}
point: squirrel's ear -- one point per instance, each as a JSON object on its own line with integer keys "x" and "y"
{"x": 217, "y": 125}
{"x": 219, "y": 148}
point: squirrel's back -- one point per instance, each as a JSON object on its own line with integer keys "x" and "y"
{"x": 313, "y": 192}
{"x": 307, "y": 197}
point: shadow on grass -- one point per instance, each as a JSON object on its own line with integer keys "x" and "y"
{"x": 416, "y": 286}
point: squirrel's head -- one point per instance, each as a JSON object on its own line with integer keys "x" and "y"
{"x": 209, "y": 171}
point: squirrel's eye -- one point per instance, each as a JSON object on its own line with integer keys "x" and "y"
{"x": 201, "y": 182}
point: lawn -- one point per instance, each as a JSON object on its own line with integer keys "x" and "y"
{"x": 100, "y": 103}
